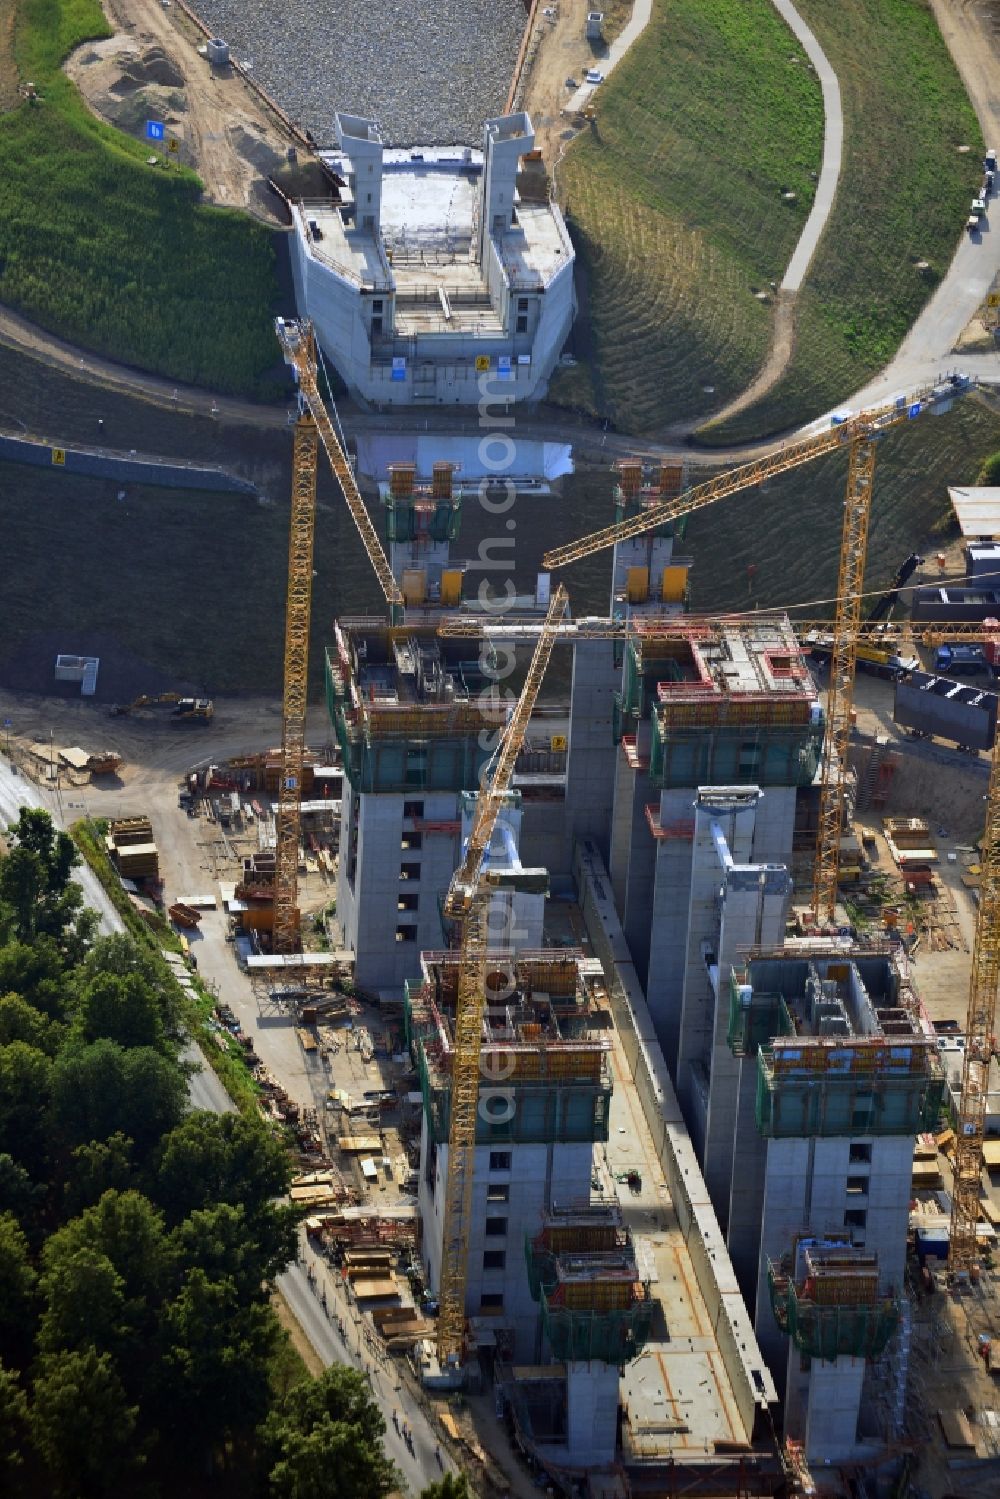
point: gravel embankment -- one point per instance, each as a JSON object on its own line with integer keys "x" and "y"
{"x": 429, "y": 71}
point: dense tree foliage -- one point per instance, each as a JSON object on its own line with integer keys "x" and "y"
{"x": 139, "y": 1239}
{"x": 448, "y": 1487}
{"x": 323, "y": 1441}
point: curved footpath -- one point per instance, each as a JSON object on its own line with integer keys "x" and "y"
{"x": 783, "y": 328}
{"x": 833, "y": 146}
{"x": 924, "y": 354}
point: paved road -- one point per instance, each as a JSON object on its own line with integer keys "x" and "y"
{"x": 336, "y": 1331}
{"x": 636, "y": 25}
{"x": 833, "y": 142}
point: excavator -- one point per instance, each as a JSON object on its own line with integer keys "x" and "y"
{"x": 186, "y": 709}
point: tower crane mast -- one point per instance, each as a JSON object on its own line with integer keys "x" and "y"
{"x": 467, "y": 902}
{"x": 313, "y": 424}
{"x": 298, "y": 612}
{"x": 859, "y": 433}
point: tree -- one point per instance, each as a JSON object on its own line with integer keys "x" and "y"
{"x": 18, "y": 1193}
{"x": 85, "y": 1303}
{"x": 25, "y": 1088}
{"x": 35, "y": 884}
{"x": 324, "y": 1441}
{"x": 121, "y": 1008}
{"x": 211, "y": 1158}
{"x": 102, "y": 1090}
{"x": 121, "y": 956}
{"x": 83, "y": 1425}
{"x": 20, "y": 1021}
{"x": 17, "y": 1293}
{"x": 989, "y": 472}
{"x": 36, "y": 972}
{"x": 449, "y": 1486}
{"x": 13, "y": 1429}
{"x": 127, "y": 1229}
{"x": 219, "y": 1241}
{"x": 98, "y": 1167}
{"x": 214, "y": 1375}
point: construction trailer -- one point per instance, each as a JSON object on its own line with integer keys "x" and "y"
{"x": 946, "y": 709}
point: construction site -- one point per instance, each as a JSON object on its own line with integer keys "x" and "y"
{"x": 622, "y": 978}
{"x": 635, "y": 1036}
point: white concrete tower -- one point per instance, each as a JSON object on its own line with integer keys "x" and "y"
{"x": 361, "y": 142}
{"x": 505, "y": 141}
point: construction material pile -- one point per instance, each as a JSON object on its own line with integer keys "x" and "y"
{"x": 130, "y": 846}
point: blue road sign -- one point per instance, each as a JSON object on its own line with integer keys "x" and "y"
{"x": 914, "y": 410}
{"x": 8, "y": 723}
{"x": 154, "y": 130}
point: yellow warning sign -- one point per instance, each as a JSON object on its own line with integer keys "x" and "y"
{"x": 174, "y": 145}
{"x": 59, "y": 456}
{"x": 993, "y": 300}
{"x": 482, "y": 363}
{"x": 558, "y": 742}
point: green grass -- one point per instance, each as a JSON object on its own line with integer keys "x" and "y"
{"x": 192, "y": 583}
{"x": 791, "y": 531}
{"x": 902, "y": 199}
{"x": 117, "y": 255}
{"x": 674, "y": 201}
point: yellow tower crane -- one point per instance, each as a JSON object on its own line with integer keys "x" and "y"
{"x": 467, "y": 903}
{"x": 980, "y": 1023}
{"x": 314, "y": 422}
{"x": 859, "y": 433}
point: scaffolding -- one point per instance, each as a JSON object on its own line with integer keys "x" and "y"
{"x": 582, "y": 1270}
{"x": 832, "y": 1308}
{"x": 635, "y": 493}
{"x": 827, "y": 1086}
{"x": 755, "y": 1016}
{"x": 539, "y": 1036}
{"x": 407, "y": 717}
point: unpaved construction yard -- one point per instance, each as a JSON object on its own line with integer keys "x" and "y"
{"x": 429, "y": 71}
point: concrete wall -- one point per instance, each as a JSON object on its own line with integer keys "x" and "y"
{"x": 754, "y": 912}
{"x": 538, "y": 1177}
{"x": 633, "y": 857}
{"x": 590, "y": 765}
{"x": 440, "y": 368}
{"x": 368, "y": 910}
{"x": 752, "y": 1385}
{"x": 591, "y": 1414}
{"x": 746, "y": 1185}
{"x": 333, "y": 304}
{"x": 806, "y": 1188}
{"x": 118, "y": 467}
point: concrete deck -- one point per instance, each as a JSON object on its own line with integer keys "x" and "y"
{"x": 677, "y": 1394}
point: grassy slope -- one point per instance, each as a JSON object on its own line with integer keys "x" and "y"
{"x": 114, "y": 254}
{"x": 796, "y": 551}
{"x": 902, "y": 199}
{"x": 675, "y": 202}
{"x": 192, "y": 583}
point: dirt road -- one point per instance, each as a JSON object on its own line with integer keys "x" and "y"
{"x": 224, "y": 131}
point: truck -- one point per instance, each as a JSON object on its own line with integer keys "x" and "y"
{"x": 956, "y": 659}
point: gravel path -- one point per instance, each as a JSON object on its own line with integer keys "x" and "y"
{"x": 429, "y": 71}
